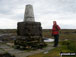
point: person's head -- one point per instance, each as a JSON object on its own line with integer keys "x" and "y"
{"x": 54, "y": 23}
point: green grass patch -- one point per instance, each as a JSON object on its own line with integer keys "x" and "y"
{"x": 65, "y": 46}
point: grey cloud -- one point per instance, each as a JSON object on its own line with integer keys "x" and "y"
{"x": 67, "y": 6}
{"x": 62, "y": 6}
{"x": 42, "y": 8}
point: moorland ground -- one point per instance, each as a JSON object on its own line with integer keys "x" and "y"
{"x": 67, "y": 41}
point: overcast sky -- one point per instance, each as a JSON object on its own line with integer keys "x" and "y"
{"x": 45, "y": 11}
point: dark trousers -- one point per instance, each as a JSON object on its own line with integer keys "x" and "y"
{"x": 56, "y": 40}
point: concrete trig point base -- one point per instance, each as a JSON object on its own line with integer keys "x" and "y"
{"x": 32, "y": 32}
{"x": 29, "y": 29}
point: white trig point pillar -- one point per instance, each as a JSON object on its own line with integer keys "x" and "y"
{"x": 29, "y": 15}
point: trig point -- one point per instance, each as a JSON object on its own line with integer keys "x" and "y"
{"x": 29, "y": 15}
{"x": 29, "y": 31}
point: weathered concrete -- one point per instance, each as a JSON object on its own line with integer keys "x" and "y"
{"x": 29, "y": 15}
{"x": 19, "y": 53}
{"x": 29, "y": 29}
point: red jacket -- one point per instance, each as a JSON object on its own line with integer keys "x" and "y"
{"x": 55, "y": 30}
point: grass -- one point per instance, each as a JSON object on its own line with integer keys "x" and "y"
{"x": 51, "y": 53}
{"x": 2, "y": 49}
{"x": 71, "y": 36}
{"x": 56, "y": 51}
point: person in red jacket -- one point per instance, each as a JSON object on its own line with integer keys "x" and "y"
{"x": 55, "y": 33}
